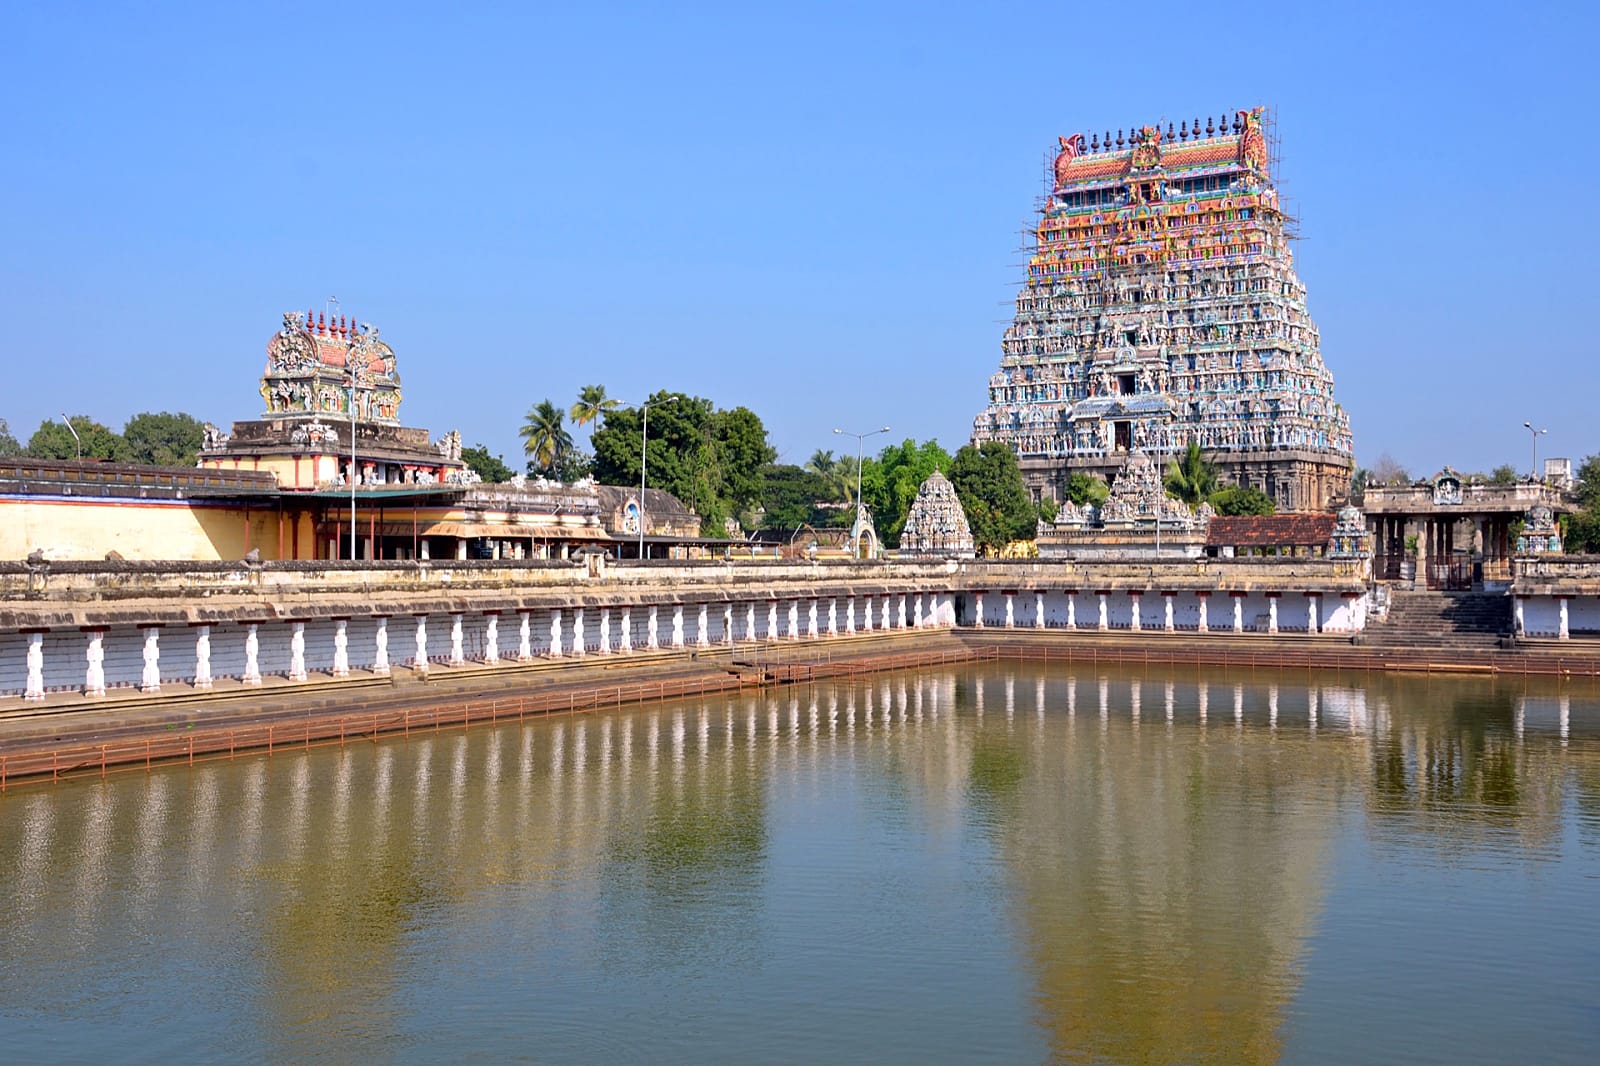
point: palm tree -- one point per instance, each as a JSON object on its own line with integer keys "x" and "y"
{"x": 545, "y": 439}
{"x": 592, "y": 403}
{"x": 841, "y": 481}
{"x": 1190, "y": 477}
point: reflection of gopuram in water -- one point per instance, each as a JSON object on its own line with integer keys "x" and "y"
{"x": 1161, "y": 843}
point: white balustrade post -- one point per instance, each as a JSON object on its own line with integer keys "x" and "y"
{"x": 627, "y": 629}
{"x": 34, "y": 689}
{"x": 1272, "y": 614}
{"x": 1011, "y": 610}
{"x": 727, "y": 623}
{"x": 1203, "y": 598}
{"x": 94, "y": 676}
{"x": 1562, "y": 632}
{"x": 702, "y": 638}
{"x": 866, "y": 614}
{"x": 1517, "y": 607}
{"x": 555, "y": 633}
{"x": 916, "y": 612}
{"x": 1105, "y": 621}
{"x": 380, "y": 648}
{"x": 833, "y": 617}
{"x": 977, "y": 610}
{"x": 341, "y": 647}
{"x": 750, "y": 621}
{"x": 849, "y": 615}
{"x": 677, "y": 625}
{"x": 458, "y": 653}
{"x": 150, "y": 679}
{"x": 579, "y": 640}
{"x": 419, "y": 661}
{"x": 651, "y": 640}
{"x": 811, "y": 620}
{"x": 1238, "y": 614}
{"x": 491, "y": 636}
{"x": 297, "y": 651}
{"x": 605, "y": 631}
{"x": 883, "y": 618}
{"x": 772, "y": 619}
{"x": 1038, "y": 610}
{"x": 202, "y": 657}
{"x": 1133, "y": 613}
{"x": 1072, "y": 609}
{"x": 794, "y": 619}
{"x": 252, "y": 654}
{"x": 1167, "y": 623}
{"x": 524, "y": 636}
{"x": 1313, "y": 612}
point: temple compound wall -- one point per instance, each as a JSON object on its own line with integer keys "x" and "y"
{"x": 73, "y": 629}
{"x": 1162, "y": 308}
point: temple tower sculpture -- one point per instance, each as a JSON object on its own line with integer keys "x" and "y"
{"x": 1162, "y": 307}
{"x": 936, "y": 525}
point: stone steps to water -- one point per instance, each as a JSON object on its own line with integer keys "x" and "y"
{"x": 1463, "y": 622}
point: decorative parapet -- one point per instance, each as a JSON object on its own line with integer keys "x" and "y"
{"x": 1555, "y": 575}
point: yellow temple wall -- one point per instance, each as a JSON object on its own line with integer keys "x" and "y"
{"x": 292, "y": 472}
{"x": 140, "y": 530}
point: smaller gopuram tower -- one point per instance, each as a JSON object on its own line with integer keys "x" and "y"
{"x": 317, "y": 367}
{"x": 1161, "y": 308}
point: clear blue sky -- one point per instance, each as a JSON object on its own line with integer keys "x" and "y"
{"x": 814, "y": 210}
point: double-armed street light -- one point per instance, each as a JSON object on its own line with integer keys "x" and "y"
{"x": 1536, "y": 434}
{"x": 855, "y": 547}
{"x": 644, "y": 440}
{"x": 358, "y": 380}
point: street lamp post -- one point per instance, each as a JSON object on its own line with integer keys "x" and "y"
{"x": 855, "y": 546}
{"x": 644, "y": 440}
{"x": 75, "y": 438}
{"x": 1536, "y": 433}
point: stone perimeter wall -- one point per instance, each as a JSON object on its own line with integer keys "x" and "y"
{"x": 84, "y": 628}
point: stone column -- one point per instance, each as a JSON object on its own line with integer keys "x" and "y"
{"x": 555, "y": 633}
{"x": 457, "y": 652}
{"x": 977, "y": 610}
{"x": 916, "y": 613}
{"x": 1204, "y": 598}
{"x": 297, "y": 651}
{"x": 1011, "y": 610}
{"x": 1238, "y": 611}
{"x": 677, "y": 625}
{"x": 341, "y": 647}
{"x": 883, "y": 618}
{"x": 1167, "y": 623}
{"x": 750, "y": 621}
{"x": 702, "y": 639}
{"x": 1105, "y": 622}
{"x": 866, "y": 614}
{"x": 202, "y": 657}
{"x": 833, "y": 617}
{"x": 727, "y": 623}
{"x": 94, "y": 675}
{"x": 1313, "y": 612}
{"x": 651, "y": 642}
{"x": 811, "y": 620}
{"x": 252, "y": 654}
{"x": 1133, "y": 610}
{"x": 1038, "y": 610}
{"x": 150, "y": 678}
{"x": 1072, "y": 608}
{"x": 794, "y": 619}
{"x": 524, "y": 636}
{"x": 1516, "y": 604}
{"x": 380, "y": 640}
{"x": 850, "y": 614}
{"x": 491, "y": 637}
{"x": 605, "y": 631}
{"x": 34, "y": 689}
{"x": 627, "y": 629}
{"x": 580, "y": 639}
{"x": 1272, "y": 612}
{"x": 1561, "y": 627}
{"x": 419, "y": 662}
{"x": 904, "y": 609}
{"x": 772, "y": 619}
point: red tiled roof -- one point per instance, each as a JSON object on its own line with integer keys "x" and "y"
{"x": 1270, "y": 531}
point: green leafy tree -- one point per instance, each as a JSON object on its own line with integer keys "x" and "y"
{"x": 1191, "y": 477}
{"x": 545, "y": 439}
{"x": 9, "y": 445}
{"x": 492, "y": 468}
{"x": 1086, "y": 489}
{"x": 890, "y": 482}
{"x": 53, "y": 440}
{"x": 1048, "y": 509}
{"x": 1235, "y": 500}
{"x": 836, "y": 472}
{"x": 163, "y": 439}
{"x": 989, "y": 482}
{"x": 1581, "y": 534}
{"x": 790, "y": 494}
{"x": 709, "y": 458}
{"x": 1504, "y": 474}
{"x": 592, "y": 403}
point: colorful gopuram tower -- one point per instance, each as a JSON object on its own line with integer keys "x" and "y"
{"x": 1162, "y": 307}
